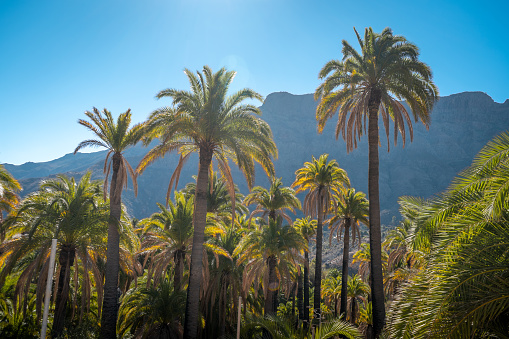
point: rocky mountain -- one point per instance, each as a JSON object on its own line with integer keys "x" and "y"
{"x": 461, "y": 125}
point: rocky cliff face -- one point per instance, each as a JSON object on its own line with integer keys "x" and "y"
{"x": 461, "y": 125}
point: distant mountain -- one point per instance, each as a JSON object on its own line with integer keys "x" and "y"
{"x": 461, "y": 125}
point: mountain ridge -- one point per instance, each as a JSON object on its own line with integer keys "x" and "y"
{"x": 461, "y": 124}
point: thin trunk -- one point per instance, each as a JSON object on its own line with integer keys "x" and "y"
{"x": 293, "y": 299}
{"x": 305, "y": 319}
{"x": 375, "y": 237}
{"x": 354, "y": 311}
{"x": 195, "y": 270}
{"x": 110, "y": 301}
{"x": 318, "y": 262}
{"x": 66, "y": 261}
{"x": 222, "y": 309}
{"x": 273, "y": 288}
{"x": 179, "y": 270}
{"x": 2, "y": 231}
{"x": 344, "y": 277}
{"x": 300, "y": 296}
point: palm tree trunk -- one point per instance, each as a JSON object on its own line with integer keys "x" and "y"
{"x": 195, "y": 270}
{"x": 354, "y": 311}
{"x": 179, "y": 270}
{"x": 300, "y": 296}
{"x": 110, "y": 301}
{"x": 318, "y": 261}
{"x": 223, "y": 306}
{"x": 344, "y": 273}
{"x": 375, "y": 237}
{"x": 66, "y": 261}
{"x": 294, "y": 287}
{"x": 305, "y": 319}
{"x": 273, "y": 288}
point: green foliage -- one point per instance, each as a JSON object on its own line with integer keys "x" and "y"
{"x": 152, "y": 311}
{"x": 18, "y": 321}
{"x": 465, "y": 279}
{"x": 285, "y": 329}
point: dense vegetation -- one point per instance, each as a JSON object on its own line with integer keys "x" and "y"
{"x": 205, "y": 261}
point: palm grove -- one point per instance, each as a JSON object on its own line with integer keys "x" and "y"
{"x": 210, "y": 251}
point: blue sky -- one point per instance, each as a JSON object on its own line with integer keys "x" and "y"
{"x": 60, "y": 58}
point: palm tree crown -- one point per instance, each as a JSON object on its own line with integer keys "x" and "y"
{"x": 386, "y": 70}
{"x": 274, "y": 201}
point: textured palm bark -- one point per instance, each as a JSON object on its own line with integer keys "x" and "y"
{"x": 110, "y": 301}
{"x": 66, "y": 261}
{"x": 354, "y": 311}
{"x": 344, "y": 273}
{"x": 300, "y": 296}
{"x": 270, "y": 307}
{"x": 222, "y": 309}
{"x": 195, "y": 270}
{"x": 179, "y": 270}
{"x": 305, "y": 319}
{"x": 318, "y": 261}
{"x": 294, "y": 287}
{"x": 375, "y": 237}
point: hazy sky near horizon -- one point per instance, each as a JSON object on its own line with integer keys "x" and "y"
{"x": 60, "y": 58}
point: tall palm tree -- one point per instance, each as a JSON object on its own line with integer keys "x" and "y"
{"x": 363, "y": 86}
{"x": 167, "y": 236}
{"x": 72, "y": 213}
{"x": 323, "y": 180}
{"x": 116, "y": 137}
{"x": 274, "y": 201}
{"x": 269, "y": 252}
{"x": 352, "y": 209}
{"x": 8, "y": 196}
{"x": 307, "y": 228}
{"x": 207, "y": 121}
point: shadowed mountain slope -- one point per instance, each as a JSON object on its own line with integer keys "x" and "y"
{"x": 461, "y": 125}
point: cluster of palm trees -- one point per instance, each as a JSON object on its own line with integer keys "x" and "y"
{"x": 187, "y": 269}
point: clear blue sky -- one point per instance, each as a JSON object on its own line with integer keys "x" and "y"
{"x": 60, "y": 58}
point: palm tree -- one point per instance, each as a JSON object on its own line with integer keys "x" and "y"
{"x": 307, "y": 228}
{"x": 404, "y": 260}
{"x": 73, "y": 214}
{"x": 153, "y": 312}
{"x": 167, "y": 236}
{"x": 363, "y": 258}
{"x": 218, "y": 196}
{"x": 273, "y": 202}
{"x": 462, "y": 291}
{"x": 364, "y": 85}
{"x": 8, "y": 196}
{"x": 207, "y": 121}
{"x": 357, "y": 291}
{"x": 116, "y": 137}
{"x": 331, "y": 290}
{"x": 269, "y": 252}
{"x": 224, "y": 284}
{"x": 323, "y": 180}
{"x": 352, "y": 209}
